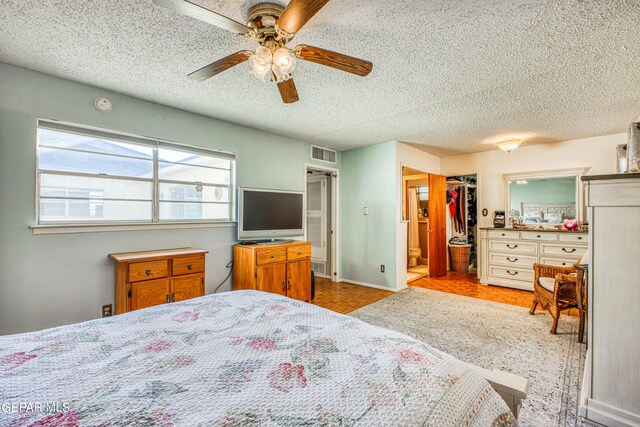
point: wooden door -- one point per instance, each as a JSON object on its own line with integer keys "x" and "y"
{"x": 187, "y": 287}
{"x": 437, "y": 225}
{"x": 149, "y": 293}
{"x": 272, "y": 278}
{"x": 299, "y": 280}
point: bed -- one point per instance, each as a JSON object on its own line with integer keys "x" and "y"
{"x": 242, "y": 358}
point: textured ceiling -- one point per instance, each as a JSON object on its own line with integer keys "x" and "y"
{"x": 448, "y": 74}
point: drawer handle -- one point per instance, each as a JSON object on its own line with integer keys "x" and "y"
{"x": 148, "y": 272}
{"x": 579, "y": 237}
{"x": 273, "y": 256}
{"x": 503, "y": 234}
{"x": 567, "y": 251}
{"x": 512, "y": 274}
{"x": 514, "y": 246}
{"x": 299, "y": 253}
{"x": 189, "y": 267}
{"x": 538, "y": 236}
{"x": 512, "y": 260}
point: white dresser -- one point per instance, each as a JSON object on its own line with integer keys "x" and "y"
{"x": 507, "y": 255}
{"x": 611, "y": 386}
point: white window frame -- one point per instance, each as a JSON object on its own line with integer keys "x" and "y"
{"x": 52, "y": 227}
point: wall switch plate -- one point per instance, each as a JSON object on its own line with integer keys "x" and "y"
{"x": 107, "y": 310}
{"x": 365, "y": 211}
{"x": 382, "y": 268}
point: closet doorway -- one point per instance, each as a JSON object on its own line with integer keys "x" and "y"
{"x": 462, "y": 217}
{"x": 321, "y": 224}
{"x": 423, "y": 207}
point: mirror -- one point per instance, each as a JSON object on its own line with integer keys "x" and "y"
{"x": 545, "y": 198}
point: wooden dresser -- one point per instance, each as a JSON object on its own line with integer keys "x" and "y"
{"x": 283, "y": 269}
{"x": 508, "y": 254}
{"x": 145, "y": 279}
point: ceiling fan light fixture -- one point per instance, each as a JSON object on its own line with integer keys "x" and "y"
{"x": 283, "y": 64}
{"x": 261, "y": 62}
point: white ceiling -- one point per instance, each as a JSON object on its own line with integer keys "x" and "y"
{"x": 447, "y": 75}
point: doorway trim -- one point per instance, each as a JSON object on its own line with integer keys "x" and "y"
{"x": 335, "y": 216}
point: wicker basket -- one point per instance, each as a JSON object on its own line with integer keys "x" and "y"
{"x": 460, "y": 258}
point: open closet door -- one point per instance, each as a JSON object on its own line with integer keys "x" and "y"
{"x": 437, "y": 225}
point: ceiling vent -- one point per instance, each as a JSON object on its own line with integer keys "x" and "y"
{"x": 323, "y": 154}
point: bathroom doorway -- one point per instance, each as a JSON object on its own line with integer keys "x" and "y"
{"x": 423, "y": 207}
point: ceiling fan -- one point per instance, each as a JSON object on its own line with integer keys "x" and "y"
{"x": 272, "y": 26}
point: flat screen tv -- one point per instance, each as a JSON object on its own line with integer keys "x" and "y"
{"x": 269, "y": 214}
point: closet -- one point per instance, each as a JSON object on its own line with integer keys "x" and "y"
{"x": 462, "y": 213}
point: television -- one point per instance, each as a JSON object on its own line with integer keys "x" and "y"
{"x": 269, "y": 214}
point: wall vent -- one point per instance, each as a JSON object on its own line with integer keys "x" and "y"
{"x": 319, "y": 268}
{"x": 323, "y": 154}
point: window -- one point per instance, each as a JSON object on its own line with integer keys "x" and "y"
{"x": 91, "y": 176}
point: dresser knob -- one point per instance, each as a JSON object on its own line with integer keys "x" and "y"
{"x": 273, "y": 256}
{"x": 189, "y": 267}
{"x": 538, "y": 236}
{"x": 148, "y": 272}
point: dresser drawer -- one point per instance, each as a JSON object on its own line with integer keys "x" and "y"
{"x": 139, "y": 271}
{"x": 540, "y": 236}
{"x": 503, "y": 234}
{"x": 187, "y": 265}
{"x": 516, "y": 247}
{"x": 299, "y": 252}
{"x": 557, "y": 262}
{"x": 270, "y": 256}
{"x": 574, "y": 238}
{"x": 515, "y": 261}
{"x": 511, "y": 273}
{"x": 569, "y": 250}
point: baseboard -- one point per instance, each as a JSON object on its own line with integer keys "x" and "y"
{"x": 371, "y": 285}
{"x": 607, "y": 415}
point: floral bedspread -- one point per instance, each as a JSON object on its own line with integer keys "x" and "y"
{"x": 243, "y": 358}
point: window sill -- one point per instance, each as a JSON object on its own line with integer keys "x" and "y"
{"x": 101, "y": 228}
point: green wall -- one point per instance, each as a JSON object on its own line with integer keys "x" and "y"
{"x": 50, "y": 280}
{"x": 368, "y": 179}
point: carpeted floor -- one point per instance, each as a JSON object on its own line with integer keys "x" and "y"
{"x": 494, "y": 335}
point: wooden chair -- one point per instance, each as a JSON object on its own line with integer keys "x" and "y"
{"x": 581, "y": 293}
{"x": 554, "y": 288}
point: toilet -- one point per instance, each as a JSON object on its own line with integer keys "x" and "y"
{"x": 414, "y": 253}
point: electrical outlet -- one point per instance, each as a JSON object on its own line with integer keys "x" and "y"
{"x": 107, "y": 310}
{"x": 382, "y": 268}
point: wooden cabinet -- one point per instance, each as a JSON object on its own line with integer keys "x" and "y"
{"x": 145, "y": 279}
{"x": 283, "y": 269}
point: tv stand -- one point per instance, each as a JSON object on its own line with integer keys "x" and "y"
{"x": 281, "y": 268}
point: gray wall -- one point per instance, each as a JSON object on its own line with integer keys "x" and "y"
{"x": 50, "y": 280}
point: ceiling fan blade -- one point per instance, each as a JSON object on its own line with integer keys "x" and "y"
{"x": 299, "y": 12}
{"x": 288, "y": 92}
{"x": 188, "y": 8}
{"x": 220, "y": 65}
{"x": 342, "y": 62}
